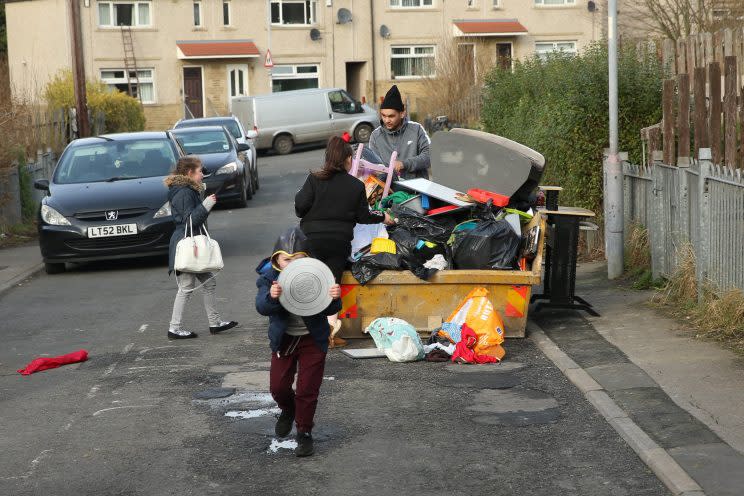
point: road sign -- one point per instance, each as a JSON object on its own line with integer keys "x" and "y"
{"x": 268, "y": 62}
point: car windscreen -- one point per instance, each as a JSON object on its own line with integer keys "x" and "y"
{"x": 203, "y": 142}
{"x": 116, "y": 160}
{"x": 230, "y": 124}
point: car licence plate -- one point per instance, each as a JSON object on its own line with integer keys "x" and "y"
{"x": 107, "y": 231}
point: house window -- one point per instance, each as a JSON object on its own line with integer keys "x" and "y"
{"x": 555, "y": 2}
{"x": 225, "y": 13}
{"x": 544, "y": 48}
{"x": 197, "y": 14}
{"x": 411, "y": 4}
{"x": 412, "y": 61}
{"x": 116, "y": 81}
{"x": 294, "y": 77}
{"x": 293, "y": 11}
{"x": 136, "y": 14}
{"x": 496, "y": 4}
{"x": 472, "y": 4}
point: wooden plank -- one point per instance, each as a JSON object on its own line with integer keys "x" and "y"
{"x": 714, "y": 119}
{"x": 728, "y": 42}
{"x": 690, "y": 45}
{"x": 709, "y": 54}
{"x": 683, "y": 116}
{"x": 741, "y": 132}
{"x": 681, "y": 56}
{"x": 718, "y": 47}
{"x": 667, "y": 101}
{"x": 700, "y": 117}
{"x": 654, "y": 140}
{"x": 667, "y": 57}
{"x": 729, "y": 111}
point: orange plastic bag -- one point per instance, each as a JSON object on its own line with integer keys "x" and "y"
{"x": 477, "y": 311}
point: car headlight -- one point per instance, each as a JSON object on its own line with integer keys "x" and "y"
{"x": 230, "y": 168}
{"x": 52, "y": 217}
{"x": 164, "y": 211}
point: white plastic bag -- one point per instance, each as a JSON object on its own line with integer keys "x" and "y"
{"x": 397, "y": 338}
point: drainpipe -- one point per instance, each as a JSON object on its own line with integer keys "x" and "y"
{"x": 372, "y": 41}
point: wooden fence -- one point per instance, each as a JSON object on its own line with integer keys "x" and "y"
{"x": 690, "y": 188}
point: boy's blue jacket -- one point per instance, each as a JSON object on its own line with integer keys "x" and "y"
{"x": 278, "y": 316}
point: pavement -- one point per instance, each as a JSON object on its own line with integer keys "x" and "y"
{"x": 628, "y": 403}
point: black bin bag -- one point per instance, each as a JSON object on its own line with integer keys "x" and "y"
{"x": 493, "y": 244}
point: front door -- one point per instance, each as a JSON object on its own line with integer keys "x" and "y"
{"x": 466, "y": 55}
{"x": 237, "y": 82}
{"x": 192, "y": 91}
{"x": 504, "y": 55}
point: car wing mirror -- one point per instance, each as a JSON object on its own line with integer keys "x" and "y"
{"x": 42, "y": 184}
{"x": 243, "y": 147}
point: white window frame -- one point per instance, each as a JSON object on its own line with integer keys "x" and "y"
{"x": 558, "y": 3}
{"x": 294, "y": 74}
{"x": 197, "y": 5}
{"x": 135, "y": 13}
{"x": 229, "y": 13}
{"x": 143, "y": 79}
{"x": 555, "y": 48}
{"x": 246, "y": 82}
{"x": 412, "y": 54}
{"x": 420, "y": 4}
{"x": 472, "y": 4}
{"x": 496, "y": 4}
{"x": 313, "y": 5}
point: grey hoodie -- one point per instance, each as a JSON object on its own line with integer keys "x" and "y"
{"x": 412, "y": 144}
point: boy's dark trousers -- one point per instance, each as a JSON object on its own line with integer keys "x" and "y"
{"x": 303, "y": 352}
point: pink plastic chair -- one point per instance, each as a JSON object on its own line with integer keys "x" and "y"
{"x": 359, "y": 165}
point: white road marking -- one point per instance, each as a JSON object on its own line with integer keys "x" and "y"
{"x": 289, "y": 444}
{"x": 93, "y": 391}
{"x": 34, "y": 463}
{"x": 120, "y": 407}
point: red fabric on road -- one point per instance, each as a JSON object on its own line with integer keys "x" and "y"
{"x": 45, "y": 363}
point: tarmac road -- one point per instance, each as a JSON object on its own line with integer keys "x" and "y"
{"x": 126, "y": 422}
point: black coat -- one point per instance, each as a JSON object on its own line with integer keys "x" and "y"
{"x": 329, "y": 208}
{"x": 185, "y": 201}
{"x": 317, "y": 325}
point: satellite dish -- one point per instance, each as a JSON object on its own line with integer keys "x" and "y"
{"x": 344, "y": 16}
{"x": 591, "y": 6}
{"x": 384, "y": 31}
{"x": 314, "y": 34}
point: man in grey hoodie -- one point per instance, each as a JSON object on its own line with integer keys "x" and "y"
{"x": 397, "y": 133}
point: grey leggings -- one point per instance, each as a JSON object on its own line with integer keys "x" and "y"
{"x": 187, "y": 281}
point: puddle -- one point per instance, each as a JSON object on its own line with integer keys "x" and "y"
{"x": 249, "y": 414}
{"x": 244, "y": 399}
{"x": 276, "y": 445}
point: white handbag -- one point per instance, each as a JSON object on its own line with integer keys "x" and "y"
{"x": 197, "y": 254}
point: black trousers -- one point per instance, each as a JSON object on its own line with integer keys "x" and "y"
{"x": 332, "y": 252}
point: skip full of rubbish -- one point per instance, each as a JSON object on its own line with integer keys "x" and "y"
{"x": 471, "y": 219}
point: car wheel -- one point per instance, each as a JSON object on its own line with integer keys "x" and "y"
{"x": 54, "y": 268}
{"x": 362, "y": 133}
{"x": 243, "y": 201}
{"x": 255, "y": 178}
{"x": 283, "y": 144}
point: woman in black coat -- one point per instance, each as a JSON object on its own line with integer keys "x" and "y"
{"x": 330, "y": 204}
{"x": 184, "y": 187}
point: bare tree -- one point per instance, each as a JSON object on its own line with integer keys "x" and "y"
{"x": 675, "y": 19}
{"x": 454, "y": 89}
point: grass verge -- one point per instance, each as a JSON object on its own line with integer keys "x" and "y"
{"x": 718, "y": 315}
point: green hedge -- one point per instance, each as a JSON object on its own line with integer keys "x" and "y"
{"x": 559, "y": 107}
{"x": 122, "y": 112}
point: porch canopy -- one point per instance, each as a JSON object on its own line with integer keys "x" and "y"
{"x": 216, "y": 49}
{"x": 488, "y": 27}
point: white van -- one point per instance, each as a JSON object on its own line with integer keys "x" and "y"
{"x": 304, "y": 116}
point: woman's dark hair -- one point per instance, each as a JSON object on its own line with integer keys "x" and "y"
{"x": 337, "y": 151}
{"x": 187, "y": 164}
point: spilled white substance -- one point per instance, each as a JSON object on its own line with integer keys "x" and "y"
{"x": 288, "y": 444}
{"x": 328, "y": 378}
{"x": 249, "y": 414}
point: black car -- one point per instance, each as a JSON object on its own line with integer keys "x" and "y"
{"x": 107, "y": 200}
{"x": 234, "y": 127}
{"x": 224, "y": 161}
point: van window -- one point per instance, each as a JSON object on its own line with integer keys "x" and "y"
{"x": 342, "y": 103}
